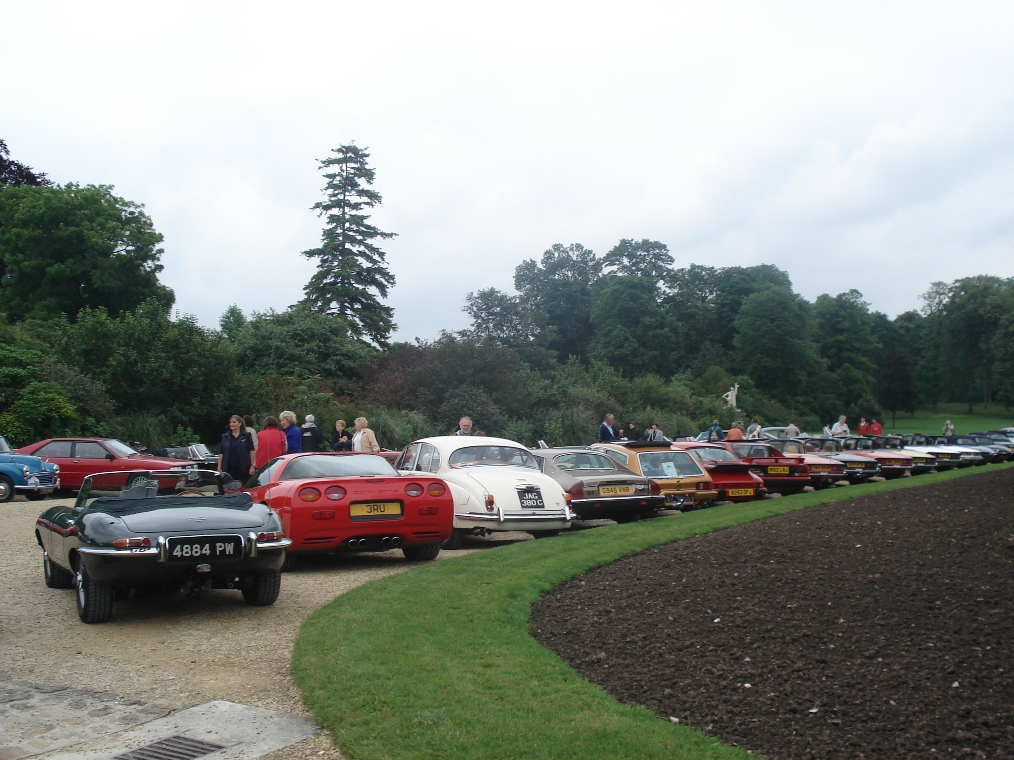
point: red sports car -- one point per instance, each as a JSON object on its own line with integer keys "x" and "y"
{"x": 733, "y": 478}
{"x": 354, "y": 502}
{"x": 780, "y": 473}
{"x": 80, "y": 457}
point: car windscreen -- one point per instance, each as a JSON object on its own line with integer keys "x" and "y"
{"x": 667, "y": 464}
{"x": 751, "y": 450}
{"x": 714, "y": 455}
{"x": 583, "y": 461}
{"x": 201, "y": 450}
{"x": 119, "y": 448}
{"x": 501, "y": 456}
{"x": 4, "y": 447}
{"x": 825, "y": 445}
{"x": 342, "y": 466}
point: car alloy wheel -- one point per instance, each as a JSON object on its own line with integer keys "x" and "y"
{"x": 6, "y": 489}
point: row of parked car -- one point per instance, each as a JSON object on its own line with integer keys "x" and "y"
{"x": 141, "y": 522}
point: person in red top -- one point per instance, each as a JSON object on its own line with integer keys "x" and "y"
{"x": 876, "y": 428}
{"x": 270, "y": 442}
{"x": 864, "y": 427}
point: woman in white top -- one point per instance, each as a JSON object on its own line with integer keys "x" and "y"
{"x": 364, "y": 439}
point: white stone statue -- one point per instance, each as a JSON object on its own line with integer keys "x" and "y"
{"x": 730, "y": 397}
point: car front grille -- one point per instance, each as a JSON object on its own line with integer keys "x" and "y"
{"x": 45, "y": 478}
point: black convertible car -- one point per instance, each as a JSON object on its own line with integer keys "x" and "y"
{"x": 195, "y": 537}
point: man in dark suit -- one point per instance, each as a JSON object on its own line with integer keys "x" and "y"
{"x": 607, "y": 432}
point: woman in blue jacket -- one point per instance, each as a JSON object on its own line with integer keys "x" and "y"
{"x": 235, "y": 455}
{"x": 293, "y": 436}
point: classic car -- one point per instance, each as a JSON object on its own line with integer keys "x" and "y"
{"x": 684, "y": 483}
{"x": 857, "y": 468}
{"x": 780, "y": 473}
{"x": 732, "y": 478}
{"x": 948, "y": 457}
{"x": 496, "y": 485}
{"x": 824, "y": 472}
{"x": 81, "y": 457}
{"x": 26, "y": 475}
{"x": 194, "y": 452}
{"x": 598, "y": 486}
{"x": 119, "y": 535}
{"x": 354, "y": 502}
{"x": 1005, "y": 439}
{"x": 921, "y": 461}
{"x": 991, "y": 451}
{"x": 893, "y": 464}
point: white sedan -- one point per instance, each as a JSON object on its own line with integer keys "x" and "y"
{"x": 496, "y": 484}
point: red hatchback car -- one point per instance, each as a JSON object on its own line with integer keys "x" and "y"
{"x": 734, "y": 480}
{"x": 81, "y": 457}
{"x": 353, "y": 502}
{"x": 781, "y": 474}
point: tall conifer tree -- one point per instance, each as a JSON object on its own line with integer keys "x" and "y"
{"x": 352, "y": 274}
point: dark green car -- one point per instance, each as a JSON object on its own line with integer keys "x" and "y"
{"x": 121, "y": 534}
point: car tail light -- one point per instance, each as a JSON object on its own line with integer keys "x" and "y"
{"x": 414, "y": 489}
{"x": 576, "y": 491}
{"x": 323, "y": 514}
{"x": 436, "y": 489}
{"x": 335, "y": 493}
{"x": 132, "y": 543}
{"x": 490, "y": 501}
{"x": 427, "y": 510}
{"x": 309, "y": 494}
{"x": 654, "y": 488}
{"x": 700, "y": 486}
{"x": 271, "y": 535}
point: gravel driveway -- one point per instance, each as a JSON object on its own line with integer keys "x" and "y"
{"x": 173, "y": 652}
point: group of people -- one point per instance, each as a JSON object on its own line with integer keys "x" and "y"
{"x": 609, "y": 432}
{"x": 841, "y": 428}
{"x": 244, "y": 450}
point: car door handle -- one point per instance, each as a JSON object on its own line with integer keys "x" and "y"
{"x": 75, "y": 461}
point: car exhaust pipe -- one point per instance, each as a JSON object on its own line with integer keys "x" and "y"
{"x": 385, "y": 541}
{"x": 396, "y": 541}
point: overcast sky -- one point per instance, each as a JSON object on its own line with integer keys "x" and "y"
{"x": 855, "y": 145}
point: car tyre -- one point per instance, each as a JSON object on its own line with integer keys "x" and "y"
{"x": 422, "y": 553}
{"x": 290, "y": 563}
{"x": 94, "y": 600}
{"x": 6, "y": 489}
{"x": 262, "y": 589}
{"x": 56, "y": 576}
{"x": 455, "y": 541}
{"x": 544, "y": 533}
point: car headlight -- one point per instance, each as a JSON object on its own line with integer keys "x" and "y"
{"x": 26, "y": 472}
{"x": 56, "y": 468}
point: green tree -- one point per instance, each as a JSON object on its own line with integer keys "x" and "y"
{"x": 16, "y": 173}
{"x": 63, "y": 249}
{"x": 352, "y": 274}
{"x": 499, "y": 317}
{"x": 971, "y": 323}
{"x": 632, "y": 332}
{"x": 896, "y": 390}
{"x": 649, "y": 259}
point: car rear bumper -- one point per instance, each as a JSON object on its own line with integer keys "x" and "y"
{"x": 522, "y": 521}
{"x": 616, "y": 505}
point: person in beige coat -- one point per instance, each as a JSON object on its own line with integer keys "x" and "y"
{"x": 364, "y": 439}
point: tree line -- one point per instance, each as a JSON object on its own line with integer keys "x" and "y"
{"x": 89, "y": 343}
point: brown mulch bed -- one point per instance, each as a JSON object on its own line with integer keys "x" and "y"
{"x": 878, "y": 627}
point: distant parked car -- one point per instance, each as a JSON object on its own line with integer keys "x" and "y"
{"x": 824, "y": 472}
{"x": 27, "y": 475}
{"x": 194, "y": 452}
{"x": 780, "y": 473}
{"x": 921, "y": 461}
{"x": 598, "y": 486}
{"x": 893, "y": 464}
{"x": 496, "y": 484}
{"x": 683, "y": 481}
{"x": 947, "y": 456}
{"x": 857, "y": 468}
{"x": 731, "y": 477}
{"x": 80, "y": 457}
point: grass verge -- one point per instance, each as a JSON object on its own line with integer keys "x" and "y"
{"x": 437, "y": 662}
{"x": 927, "y": 421}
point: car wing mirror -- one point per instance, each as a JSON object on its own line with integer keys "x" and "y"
{"x": 110, "y": 457}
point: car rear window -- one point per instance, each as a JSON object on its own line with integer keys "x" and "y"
{"x": 502, "y": 456}
{"x": 714, "y": 455}
{"x": 750, "y": 450}
{"x": 346, "y": 465}
{"x": 583, "y": 461}
{"x": 667, "y": 464}
{"x": 55, "y": 449}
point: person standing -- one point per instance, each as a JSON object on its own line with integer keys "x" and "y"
{"x": 235, "y": 457}
{"x": 364, "y": 439}
{"x": 876, "y": 428}
{"x": 293, "y": 438}
{"x": 248, "y": 424}
{"x": 864, "y": 427}
{"x": 270, "y": 442}
{"x": 607, "y": 433}
{"x": 840, "y": 429}
{"x": 654, "y": 434}
{"x": 948, "y": 428}
{"x": 715, "y": 431}
{"x": 632, "y": 432}
{"x": 464, "y": 426}
{"x": 792, "y": 431}
{"x": 735, "y": 432}
{"x": 312, "y": 438}
{"x": 342, "y": 438}
{"x": 754, "y": 431}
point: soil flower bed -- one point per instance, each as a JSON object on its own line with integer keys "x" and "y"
{"x": 876, "y": 627}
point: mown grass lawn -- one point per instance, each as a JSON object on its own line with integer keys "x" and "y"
{"x": 438, "y": 662}
{"x": 927, "y": 421}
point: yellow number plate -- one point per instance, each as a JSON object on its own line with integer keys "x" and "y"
{"x": 857, "y": 465}
{"x": 375, "y": 509}
{"x": 820, "y": 468}
{"x": 778, "y": 470}
{"x": 739, "y": 492}
{"x": 616, "y": 490}
{"x": 893, "y": 462}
